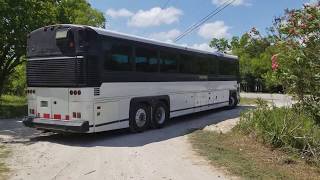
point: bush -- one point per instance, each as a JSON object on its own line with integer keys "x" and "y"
{"x": 284, "y": 128}
{"x": 12, "y": 106}
{"x": 311, "y": 105}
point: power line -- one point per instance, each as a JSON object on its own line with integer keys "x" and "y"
{"x": 204, "y": 19}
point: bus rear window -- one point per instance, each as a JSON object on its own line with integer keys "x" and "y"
{"x": 62, "y": 34}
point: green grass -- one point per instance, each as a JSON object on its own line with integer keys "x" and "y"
{"x": 242, "y": 156}
{"x": 285, "y": 128}
{"x": 3, "y": 168}
{"x": 12, "y": 106}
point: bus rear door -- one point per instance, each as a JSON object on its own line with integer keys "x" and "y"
{"x": 52, "y": 103}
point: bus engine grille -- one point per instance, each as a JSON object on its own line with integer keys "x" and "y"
{"x": 55, "y": 72}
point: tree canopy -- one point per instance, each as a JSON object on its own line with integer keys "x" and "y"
{"x": 254, "y": 52}
{"x": 288, "y": 56}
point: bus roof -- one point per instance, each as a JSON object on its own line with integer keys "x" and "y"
{"x": 147, "y": 40}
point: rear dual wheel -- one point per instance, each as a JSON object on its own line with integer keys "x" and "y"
{"x": 141, "y": 119}
{"x": 160, "y": 115}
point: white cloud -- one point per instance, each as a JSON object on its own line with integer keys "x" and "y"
{"x": 216, "y": 29}
{"x": 235, "y": 3}
{"x": 168, "y": 36}
{"x": 155, "y": 17}
{"x": 119, "y": 13}
{"x": 203, "y": 46}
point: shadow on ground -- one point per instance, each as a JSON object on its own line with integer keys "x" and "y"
{"x": 123, "y": 138}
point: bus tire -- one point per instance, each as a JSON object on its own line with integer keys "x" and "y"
{"x": 160, "y": 115}
{"x": 232, "y": 102}
{"x": 140, "y": 117}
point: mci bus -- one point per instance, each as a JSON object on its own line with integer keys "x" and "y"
{"x": 84, "y": 79}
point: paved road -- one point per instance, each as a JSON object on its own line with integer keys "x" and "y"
{"x": 154, "y": 154}
{"x": 15, "y": 128}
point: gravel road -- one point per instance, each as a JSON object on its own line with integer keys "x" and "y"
{"x": 277, "y": 99}
{"x": 155, "y": 154}
{"x": 120, "y": 155}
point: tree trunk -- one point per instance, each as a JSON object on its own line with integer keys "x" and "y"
{"x": 3, "y": 79}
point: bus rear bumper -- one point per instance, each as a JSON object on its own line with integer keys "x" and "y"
{"x": 76, "y": 126}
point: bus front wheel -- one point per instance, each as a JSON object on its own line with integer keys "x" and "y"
{"x": 139, "y": 118}
{"x": 232, "y": 101}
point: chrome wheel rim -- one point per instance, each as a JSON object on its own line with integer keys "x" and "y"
{"x": 141, "y": 117}
{"x": 160, "y": 115}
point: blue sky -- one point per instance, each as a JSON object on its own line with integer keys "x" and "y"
{"x": 166, "y": 19}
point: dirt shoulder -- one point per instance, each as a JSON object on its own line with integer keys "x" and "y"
{"x": 247, "y": 157}
{"x": 4, "y": 153}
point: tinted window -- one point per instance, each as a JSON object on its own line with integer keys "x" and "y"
{"x": 200, "y": 65}
{"x": 228, "y": 66}
{"x": 168, "y": 62}
{"x": 146, "y": 60}
{"x": 186, "y": 63}
{"x": 213, "y": 64}
{"x": 118, "y": 58}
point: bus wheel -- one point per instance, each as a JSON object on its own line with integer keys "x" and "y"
{"x": 160, "y": 115}
{"x": 139, "y": 118}
{"x": 232, "y": 101}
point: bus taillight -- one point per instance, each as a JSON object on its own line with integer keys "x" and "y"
{"x": 76, "y": 115}
{"x": 45, "y": 115}
{"x": 79, "y": 115}
{"x": 31, "y": 111}
{"x": 75, "y": 92}
{"x": 57, "y": 116}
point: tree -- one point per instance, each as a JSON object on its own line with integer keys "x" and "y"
{"x": 79, "y": 12}
{"x": 297, "y": 39}
{"x": 222, "y": 45}
{"x": 254, "y": 52}
{"x": 19, "y": 17}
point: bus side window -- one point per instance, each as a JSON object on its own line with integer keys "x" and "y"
{"x": 168, "y": 62}
{"x": 146, "y": 60}
{"x": 213, "y": 65}
{"x": 186, "y": 63}
{"x": 200, "y": 65}
{"x": 227, "y": 67}
{"x": 118, "y": 58}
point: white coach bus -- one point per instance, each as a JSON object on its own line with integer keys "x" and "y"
{"x": 84, "y": 79}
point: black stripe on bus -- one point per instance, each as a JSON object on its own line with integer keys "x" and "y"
{"x": 198, "y": 106}
{"x": 123, "y": 120}
{"x": 108, "y": 123}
